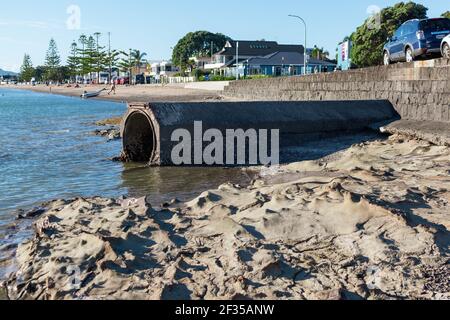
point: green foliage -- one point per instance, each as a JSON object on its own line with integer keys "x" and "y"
{"x": 73, "y": 61}
{"x": 258, "y": 76}
{"x": 39, "y": 73}
{"x": 369, "y": 38}
{"x": 319, "y": 53}
{"x": 99, "y": 56}
{"x": 446, "y": 14}
{"x": 90, "y": 56}
{"x": 62, "y": 73}
{"x": 86, "y": 56}
{"x": 26, "y": 70}
{"x": 138, "y": 58}
{"x": 216, "y": 78}
{"x": 133, "y": 59}
{"x": 112, "y": 59}
{"x": 52, "y": 61}
{"x": 200, "y": 44}
{"x": 198, "y": 73}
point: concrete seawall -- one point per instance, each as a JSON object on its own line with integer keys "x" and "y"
{"x": 147, "y": 128}
{"x": 418, "y": 91}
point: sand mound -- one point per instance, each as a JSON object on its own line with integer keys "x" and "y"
{"x": 371, "y": 224}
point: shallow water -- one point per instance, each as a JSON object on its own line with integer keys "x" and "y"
{"x": 48, "y": 151}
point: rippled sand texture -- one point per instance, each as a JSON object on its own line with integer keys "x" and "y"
{"x": 371, "y": 222}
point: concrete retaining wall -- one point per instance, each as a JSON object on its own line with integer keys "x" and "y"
{"x": 419, "y": 90}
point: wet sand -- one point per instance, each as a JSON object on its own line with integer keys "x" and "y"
{"x": 139, "y": 93}
{"x": 370, "y": 222}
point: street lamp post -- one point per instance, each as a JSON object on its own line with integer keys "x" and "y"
{"x": 304, "y": 57}
{"x": 237, "y": 60}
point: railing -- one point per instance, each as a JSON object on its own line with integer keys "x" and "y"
{"x": 171, "y": 80}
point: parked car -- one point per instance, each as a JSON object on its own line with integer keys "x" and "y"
{"x": 445, "y": 47}
{"x": 123, "y": 80}
{"x": 416, "y": 38}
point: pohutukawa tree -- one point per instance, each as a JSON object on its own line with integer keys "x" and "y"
{"x": 369, "y": 39}
{"x": 199, "y": 43}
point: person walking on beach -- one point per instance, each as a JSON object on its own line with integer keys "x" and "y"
{"x": 113, "y": 88}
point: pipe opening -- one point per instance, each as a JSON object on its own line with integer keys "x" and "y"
{"x": 138, "y": 138}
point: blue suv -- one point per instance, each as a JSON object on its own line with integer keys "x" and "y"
{"x": 416, "y": 38}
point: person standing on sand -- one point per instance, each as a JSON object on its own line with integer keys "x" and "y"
{"x": 113, "y": 88}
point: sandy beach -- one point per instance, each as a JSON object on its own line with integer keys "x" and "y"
{"x": 370, "y": 222}
{"x": 140, "y": 93}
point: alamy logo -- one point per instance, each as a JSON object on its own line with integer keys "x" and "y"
{"x": 73, "y": 22}
{"x": 374, "y": 21}
{"x": 237, "y": 147}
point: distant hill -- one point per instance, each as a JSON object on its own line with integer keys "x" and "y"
{"x": 7, "y": 73}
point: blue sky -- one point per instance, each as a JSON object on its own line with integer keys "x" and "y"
{"x": 154, "y": 26}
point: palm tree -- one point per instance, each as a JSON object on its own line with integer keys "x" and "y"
{"x": 138, "y": 59}
{"x": 126, "y": 63}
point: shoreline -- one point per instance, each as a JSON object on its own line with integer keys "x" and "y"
{"x": 370, "y": 222}
{"x": 125, "y": 94}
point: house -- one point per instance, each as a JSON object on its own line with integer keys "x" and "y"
{"x": 201, "y": 62}
{"x": 265, "y": 58}
{"x": 163, "y": 69}
{"x": 285, "y": 64}
{"x": 226, "y": 58}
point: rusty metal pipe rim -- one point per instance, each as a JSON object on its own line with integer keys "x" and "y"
{"x": 129, "y": 121}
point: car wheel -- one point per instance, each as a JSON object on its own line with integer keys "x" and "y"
{"x": 409, "y": 55}
{"x": 386, "y": 59}
{"x": 446, "y": 51}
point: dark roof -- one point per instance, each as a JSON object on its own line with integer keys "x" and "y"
{"x": 286, "y": 58}
{"x": 258, "y": 48}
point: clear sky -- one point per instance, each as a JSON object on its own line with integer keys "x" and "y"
{"x": 154, "y": 26}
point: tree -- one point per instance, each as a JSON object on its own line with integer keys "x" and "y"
{"x": 90, "y": 55}
{"x": 138, "y": 59}
{"x": 62, "y": 73}
{"x": 446, "y": 15}
{"x": 319, "y": 53}
{"x": 82, "y": 53}
{"x": 26, "y": 70}
{"x": 199, "y": 43}
{"x": 73, "y": 61}
{"x": 40, "y": 72}
{"x": 100, "y": 57}
{"x": 126, "y": 63}
{"x": 112, "y": 60}
{"x": 86, "y": 54}
{"x": 369, "y": 38}
{"x": 52, "y": 61}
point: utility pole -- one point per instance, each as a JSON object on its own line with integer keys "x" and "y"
{"x": 131, "y": 68}
{"x": 237, "y": 60}
{"x": 305, "y": 52}
{"x": 109, "y": 57}
{"x": 97, "y": 35}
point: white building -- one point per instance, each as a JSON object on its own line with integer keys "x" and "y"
{"x": 163, "y": 69}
